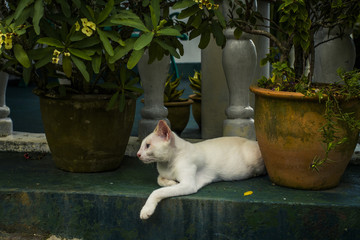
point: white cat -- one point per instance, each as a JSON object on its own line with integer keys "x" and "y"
{"x": 184, "y": 167}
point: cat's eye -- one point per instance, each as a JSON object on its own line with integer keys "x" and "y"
{"x": 147, "y": 145}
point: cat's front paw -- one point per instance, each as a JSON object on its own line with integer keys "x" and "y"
{"x": 146, "y": 212}
{"x": 163, "y": 182}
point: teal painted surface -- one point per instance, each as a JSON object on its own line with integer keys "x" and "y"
{"x": 35, "y": 195}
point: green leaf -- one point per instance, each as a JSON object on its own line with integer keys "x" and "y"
{"x": 106, "y": 43}
{"x": 38, "y": 14}
{"x": 77, "y": 3}
{"x": 169, "y": 32}
{"x": 67, "y": 67}
{"x": 39, "y": 53}
{"x": 134, "y": 23}
{"x": 127, "y": 14}
{"x": 218, "y": 33}
{"x": 51, "y": 42}
{"x": 121, "y": 51}
{"x": 122, "y": 101}
{"x": 77, "y": 36}
{"x": 105, "y": 12}
{"x": 167, "y": 47}
{"x": 135, "y": 58}
{"x": 113, "y": 101}
{"x": 237, "y": 33}
{"x": 20, "y": 7}
{"x": 183, "y": 4}
{"x": 155, "y": 12}
{"x": 25, "y": 15}
{"x": 65, "y": 8}
{"x": 189, "y": 11}
{"x": 284, "y": 18}
{"x": 143, "y": 40}
{"x": 85, "y": 43}
{"x": 27, "y": 75}
{"x": 145, "y": 3}
{"x": 82, "y": 67}
{"x": 91, "y": 13}
{"x": 204, "y": 40}
{"x": 196, "y": 20}
{"x": 220, "y": 18}
{"x": 43, "y": 61}
{"x": 96, "y": 63}
{"x": 21, "y": 56}
{"x": 79, "y": 53}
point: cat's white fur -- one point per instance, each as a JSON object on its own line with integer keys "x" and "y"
{"x": 184, "y": 167}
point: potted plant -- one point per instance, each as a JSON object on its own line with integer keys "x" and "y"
{"x": 90, "y": 44}
{"x": 195, "y": 85}
{"x": 307, "y": 132}
{"x": 178, "y": 108}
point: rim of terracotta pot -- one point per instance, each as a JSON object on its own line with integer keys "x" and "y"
{"x": 182, "y": 103}
{"x": 285, "y": 95}
{"x": 280, "y": 94}
{"x": 78, "y": 97}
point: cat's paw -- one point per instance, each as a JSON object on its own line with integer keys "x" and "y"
{"x": 163, "y": 182}
{"x": 146, "y": 212}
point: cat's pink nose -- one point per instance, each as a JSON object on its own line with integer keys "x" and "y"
{"x": 138, "y": 155}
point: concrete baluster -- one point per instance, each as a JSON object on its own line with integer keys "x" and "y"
{"x": 239, "y": 60}
{"x": 6, "y": 126}
{"x": 330, "y": 55}
{"x": 153, "y": 77}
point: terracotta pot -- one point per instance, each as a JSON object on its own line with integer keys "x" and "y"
{"x": 287, "y": 129}
{"x": 196, "y": 108}
{"x": 178, "y": 114}
{"x": 82, "y": 135}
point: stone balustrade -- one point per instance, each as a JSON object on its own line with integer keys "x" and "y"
{"x": 6, "y": 126}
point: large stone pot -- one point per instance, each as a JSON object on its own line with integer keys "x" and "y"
{"x": 287, "y": 129}
{"x": 82, "y": 135}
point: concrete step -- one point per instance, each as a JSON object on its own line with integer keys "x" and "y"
{"x": 36, "y": 198}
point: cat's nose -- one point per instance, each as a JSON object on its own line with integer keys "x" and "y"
{"x": 138, "y": 155}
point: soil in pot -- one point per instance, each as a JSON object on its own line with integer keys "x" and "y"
{"x": 287, "y": 129}
{"x": 82, "y": 135}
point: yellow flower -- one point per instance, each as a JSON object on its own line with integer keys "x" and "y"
{"x": 56, "y": 53}
{"x": 91, "y": 25}
{"x": 55, "y": 60}
{"x": 200, "y": 6}
{"x": 77, "y": 26}
{"x": 248, "y": 193}
{"x": 216, "y": 6}
{"x": 84, "y": 21}
{"x": 66, "y": 54}
{"x": 87, "y": 31}
{"x": 209, "y": 6}
{"x": 8, "y": 41}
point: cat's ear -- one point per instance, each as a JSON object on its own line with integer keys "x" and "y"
{"x": 163, "y": 130}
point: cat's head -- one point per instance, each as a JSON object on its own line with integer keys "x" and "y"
{"x": 157, "y": 146}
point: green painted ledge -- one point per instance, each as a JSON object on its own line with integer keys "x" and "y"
{"x": 36, "y": 197}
